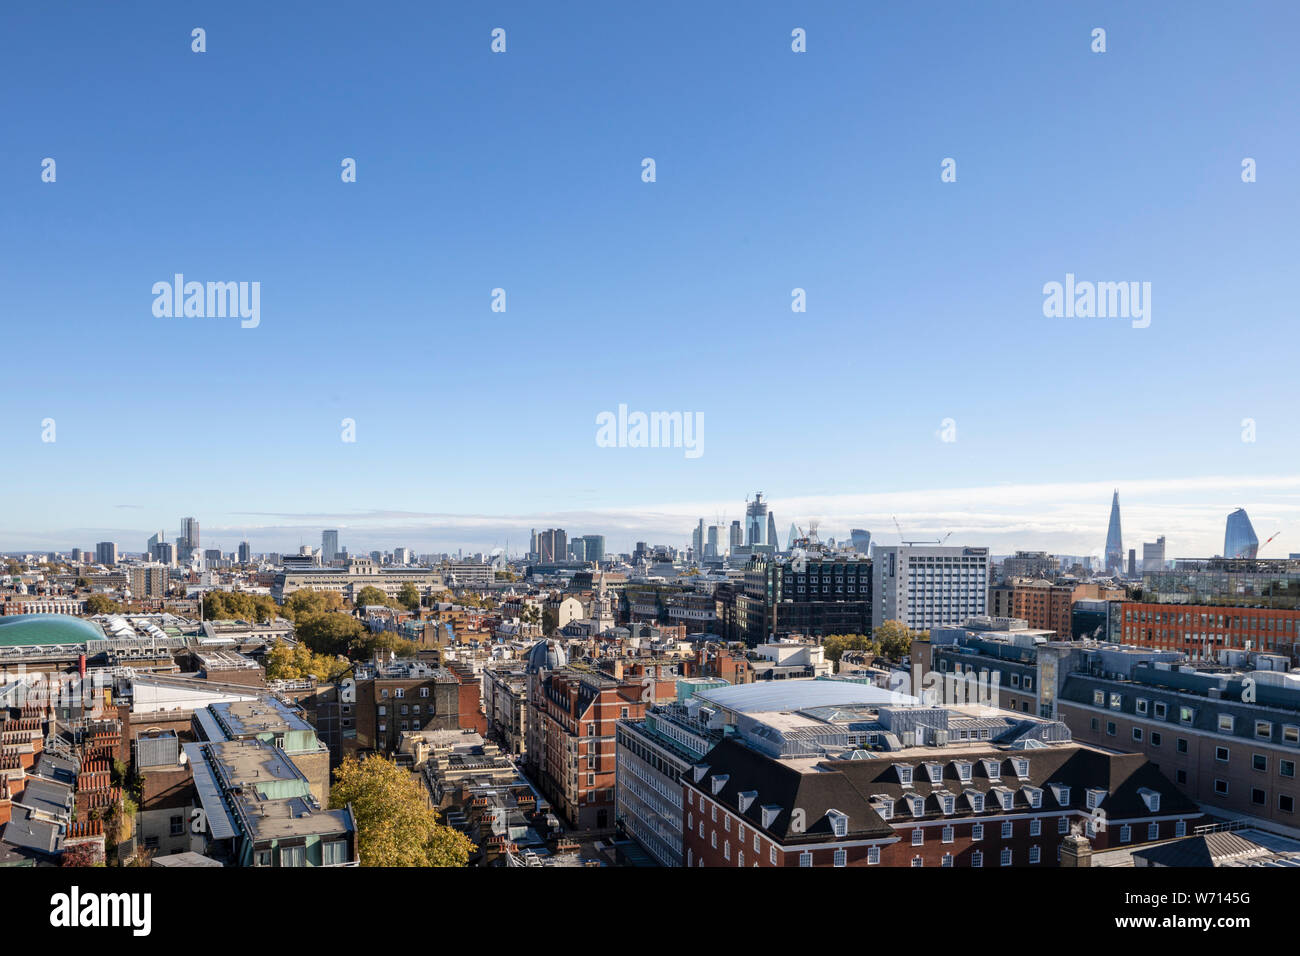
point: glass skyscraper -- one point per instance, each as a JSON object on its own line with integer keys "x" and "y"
{"x": 1239, "y": 539}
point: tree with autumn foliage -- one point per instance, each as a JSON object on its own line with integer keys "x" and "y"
{"x": 395, "y": 824}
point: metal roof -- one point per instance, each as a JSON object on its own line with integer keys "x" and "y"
{"x": 221, "y": 823}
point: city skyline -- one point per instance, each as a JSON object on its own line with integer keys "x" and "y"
{"x": 1060, "y": 519}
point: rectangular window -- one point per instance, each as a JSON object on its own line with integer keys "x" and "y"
{"x": 334, "y": 852}
{"x": 1006, "y": 829}
{"x": 1035, "y": 854}
{"x": 918, "y": 837}
{"x": 293, "y": 856}
{"x": 873, "y": 854}
{"x": 977, "y": 832}
{"x": 947, "y": 834}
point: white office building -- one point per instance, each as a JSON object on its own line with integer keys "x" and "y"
{"x": 929, "y": 586}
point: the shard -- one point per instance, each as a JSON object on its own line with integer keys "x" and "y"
{"x": 1239, "y": 540}
{"x": 1114, "y": 540}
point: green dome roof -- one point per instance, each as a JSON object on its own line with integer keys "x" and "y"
{"x": 24, "y": 629}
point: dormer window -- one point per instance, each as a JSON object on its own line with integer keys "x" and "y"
{"x": 935, "y": 772}
{"x": 1022, "y": 768}
{"x": 743, "y": 800}
{"x": 947, "y": 802}
{"x": 976, "y": 800}
{"x": 1004, "y": 797}
{"x": 770, "y": 812}
{"x": 718, "y": 782}
{"x": 963, "y": 770}
{"x": 1035, "y": 797}
{"x": 883, "y": 805}
{"x": 839, "y": 822}
{"x": 1095, "y": 796}
{"x": 700, "y": 770}
{"x": 904, "y": 774}
{"x": 993, "y": 769}
{"x": 1151, "y": 798}
{"x": 918, "y": 806}
{"x": 1061, "y": 793}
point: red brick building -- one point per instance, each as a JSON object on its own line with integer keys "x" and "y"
{"x": 1200, "y": 630}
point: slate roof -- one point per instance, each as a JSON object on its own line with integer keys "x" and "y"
{"x": 851, "y": 785}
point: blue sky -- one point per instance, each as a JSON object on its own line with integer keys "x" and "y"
{"x": 775, "y": 170}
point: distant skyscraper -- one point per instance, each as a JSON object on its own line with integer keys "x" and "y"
{"x": 756, "y": 520}
{"x": 1114, "y": 540}
{"x": 595, "y": 547}
{"x": 154, "y": 543}
{"x": 697, "y": 540}
{"x": 772, "y": 539}
{"x": 1132, "y": 562}
{"x": 791, "y": 537}
{"x": 188, "y": 542}
{"x": 578, "y": 549}
{"x": 713, "y": 547}
{"x": 553, "y": 546}
{"x": 1153, "y": 555}
{"x": 737, "y": 534}
{"x": 245, "y": 553}
{"x": 1239, "y": 540}
{"x": 861, "y": 540}
{"x": 106, "y": 553}
{"x": 329, "y": 546}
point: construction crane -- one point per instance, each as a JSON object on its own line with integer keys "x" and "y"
{"x": 1265, "y": 544}
{"x": 926, "y": 541}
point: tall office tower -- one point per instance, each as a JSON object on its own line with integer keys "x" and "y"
{"x": 245, "y": 553}
{"x": 713, "y": 547}
{"x": 929, "y": 586}
{"x": 188, "y": 542}
{"x": 756, "y": 520}
{"x": 697, "y": 540}
{"x": 532, "y": 542}
{"x": 791, "y": 536}
{"x": 151, "y": 549}
{"x": 106, "y": 553}
{"x": 1153, "y": 555}
{"x": 1239, "y": 540}
{"x": 772, "y": 539}
{"x": 329, "y": 546}
{"x": 76, "y": 555}
{"x": 552, "y": 546}
{"x": 1132, "y": 562}
{"x": 861, "y": 540}
{"x": 167, "y": 553}
{"x": 578, "y": 549}
{"x": 737, "y": 534}
{"x": 401, "y": 556}
{"x": 595, "y": 547}
{"x": 1114, "y": 540}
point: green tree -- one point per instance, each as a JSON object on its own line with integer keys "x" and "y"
{"x": 371, "y": 596}
{"x": 895, "y": 639}
{"x": 331, "y": 634}
{"x": 300, "y": 661}
{"x": 550, "y": 622}
{"x": 409, "y": 596}
{"x": 238, "y": 605}
{"x": 102, "y": 604}
{"x": 531, "y": 615}
{"x": 395, "y": 826}
{"x": 836, "y": 644}
{"x": 302, "y": 604}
